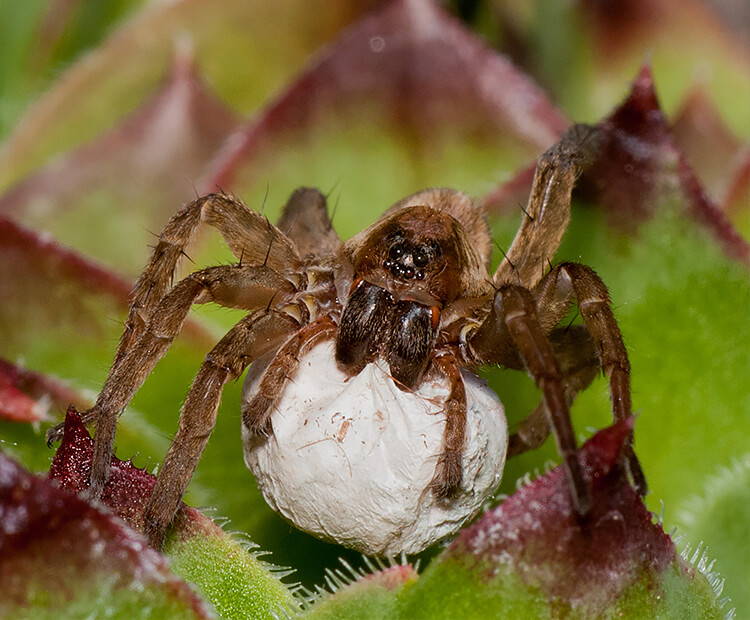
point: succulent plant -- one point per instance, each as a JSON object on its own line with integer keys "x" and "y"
{"x": 112, "y": 117}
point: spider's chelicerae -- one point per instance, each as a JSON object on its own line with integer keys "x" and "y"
{"x": 411, "y": 293}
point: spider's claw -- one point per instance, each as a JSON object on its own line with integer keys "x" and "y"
{"x": 258, "y": 420}
{"x": 448, "y": 475}
{"x": 54, "y": 434}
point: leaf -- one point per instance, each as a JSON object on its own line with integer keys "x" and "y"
{"x": 638, "y": 169}
{"x": 164, "y": 144}
{"x": 236, "y": 583}
{"x": 704, "y": 139}
{"x": 244, "y": 59}
{"x": 406, "y": 91}
{"x": 25, "y": 395}
{"x": 584, "y": 53}
{"x": 62, "y": 557}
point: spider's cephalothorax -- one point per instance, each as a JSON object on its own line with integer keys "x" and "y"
{"x": 412, "y": 291}
{"x": 407, "y": 267}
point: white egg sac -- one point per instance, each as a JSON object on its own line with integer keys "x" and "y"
{"x": 350, "y": 460}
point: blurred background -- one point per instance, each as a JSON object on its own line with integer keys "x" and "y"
{"x": 114, "y": 114}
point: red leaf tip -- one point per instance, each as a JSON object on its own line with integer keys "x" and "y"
{"x": 537, "y": 535}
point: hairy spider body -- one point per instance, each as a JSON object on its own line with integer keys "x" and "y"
{"x": 411, "y": 292}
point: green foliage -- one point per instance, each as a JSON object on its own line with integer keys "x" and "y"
{"x": 681, "y": 303}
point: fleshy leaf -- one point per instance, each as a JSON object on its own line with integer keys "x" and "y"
{"x": 533, "y": 556}
{"x": 638, "y": 170}
{"x": 704, "y": 139}
{"x": 53, "y": 295}
{"x": 63, "y": 557}
{"x": 47, "y": 286}
{"x": 410, "y": 83}
{"x": 583, "y": 52}
{"x": 638, "y": 166}
{"x": 164, "y": 144}
{"x": 720, "y": 513}
{"x": 236, "y": 583}
{"x": 247, "y": 49}
{"x": 26, "y": 396}
{"x": 370, "y": 595}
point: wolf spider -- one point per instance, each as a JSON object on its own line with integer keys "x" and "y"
{"x": 413, "y": 289}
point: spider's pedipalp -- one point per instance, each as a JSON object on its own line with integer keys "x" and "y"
{"x": 448, "y": 472}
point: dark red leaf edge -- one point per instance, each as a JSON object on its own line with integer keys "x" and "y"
{"x": 33, "y": 247}
{"x": 419, "y": 63}
{"x": 24, "y": 252}
{"x": 54, "y": 541}
{"x": 26, "y": 395}
{"x": 637, "y": 162}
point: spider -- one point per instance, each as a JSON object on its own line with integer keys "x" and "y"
{"x": 412, "y": 292}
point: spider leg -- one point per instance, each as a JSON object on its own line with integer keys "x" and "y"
{"x": 249, "y": 235}
{"x": 245, "y": 342}
{"x": 595, "y": 307}
{"x": 578, "y": 361}
{"x": 230, "y": 285}
{"x": 256, "y": 414}
{"x": 514, "y": 317}
{"x": 448, "y": 473}
{"x": 582, "y": 355}
{"x": 306, "y": 222}
{"x": 548, "y": 209}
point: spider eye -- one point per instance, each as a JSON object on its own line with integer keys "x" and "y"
{"x": 420, "y": 258}
{"x": 396, "y": 251}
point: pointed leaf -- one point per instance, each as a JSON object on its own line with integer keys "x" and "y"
{"x": 60, "y": 556}
{"x": 162, "y": 145}
{"x": 534, "y": 557}
{"x": 248, "y": 50}
{"x": 236, "y": 583}
{"x": 406, "y": 84}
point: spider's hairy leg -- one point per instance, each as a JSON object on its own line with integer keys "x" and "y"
{"x": 247, "y": 233}
{"x": 548, "y": 209}
{"x": 230, "y": 285}
{"x": 513, "y": 321}
{"x": 306, "y": 222}
{"x": 578, "y": 361}
{"x": 449, "y": 472}
{"x": 595, "y": 306}
{"x": 253, "y": 336}
{"x": 256, "y": 414}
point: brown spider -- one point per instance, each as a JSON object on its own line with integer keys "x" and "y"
{"x": 412, "y": 290}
